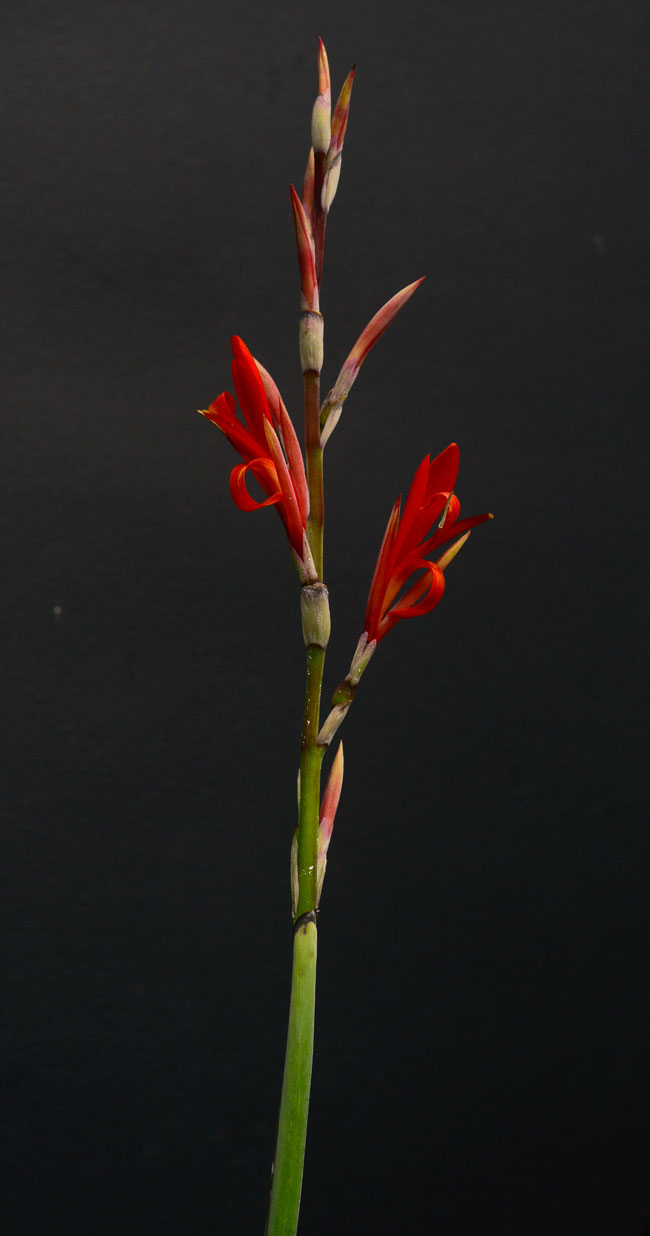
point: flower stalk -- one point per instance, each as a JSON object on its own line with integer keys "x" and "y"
{"x": 286, "y": 1182}
{"x": 408, "y": 581}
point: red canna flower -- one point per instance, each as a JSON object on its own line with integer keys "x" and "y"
{"x": 407, "y": 548}
{"x": 267, "y": 443}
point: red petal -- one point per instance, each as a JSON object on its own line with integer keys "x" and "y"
{"x": 382, "y": 572}
{"x": 265, "y": 473}
{"x": 222, "y": 414}
{"x": 249, "y": 389}
{"x": 443, "y": 471}
{"x": 416, "y": 601}
{"x": 404, "y": 541}
{"x": 451, "y": 530}
{"x": 282, "y": 422}
{"x": 289, "y": 509}
{"x": 296, "y": 462}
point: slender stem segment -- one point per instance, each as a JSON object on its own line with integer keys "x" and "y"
{"x": 294, "y": 1106}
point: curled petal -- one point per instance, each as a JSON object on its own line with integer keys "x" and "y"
{"x": 420, "y": 598}
{"x": 264, "y": 471}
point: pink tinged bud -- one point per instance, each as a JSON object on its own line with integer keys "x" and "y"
{"x": 328, "y": 810}
{"x": 366, "y": 341}
{"x": 340, "y": 119}
{"x": 306, "y": 260}
{"x": 321, "y": 117}
{"x": 320, "y": 125}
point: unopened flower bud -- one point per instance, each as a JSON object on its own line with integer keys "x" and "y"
{"x": 315, "y": 613}
{"x": 321, "y": 127}
{"x": 310, "y": 340}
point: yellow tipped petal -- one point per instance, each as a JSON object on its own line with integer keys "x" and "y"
{"x": 450, "y": 553}
{"x": 340, "y": 118}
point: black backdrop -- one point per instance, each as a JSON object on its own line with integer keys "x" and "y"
{"x": 482, "y": 1033}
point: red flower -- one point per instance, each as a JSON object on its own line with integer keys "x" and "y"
{"x": 407, "y": 549}
{"x": 267, "y": 443}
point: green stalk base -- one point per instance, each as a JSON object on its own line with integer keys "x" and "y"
{"x": 286, "y": 1183}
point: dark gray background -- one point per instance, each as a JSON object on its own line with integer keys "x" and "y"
{"x": 482, "y": 1037}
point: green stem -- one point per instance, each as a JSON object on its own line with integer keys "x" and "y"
{"x": 286, "y": 1185}
{"x": 311, "y": 758}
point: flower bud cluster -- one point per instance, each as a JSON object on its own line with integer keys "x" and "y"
{"x": 321, "y": 179}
